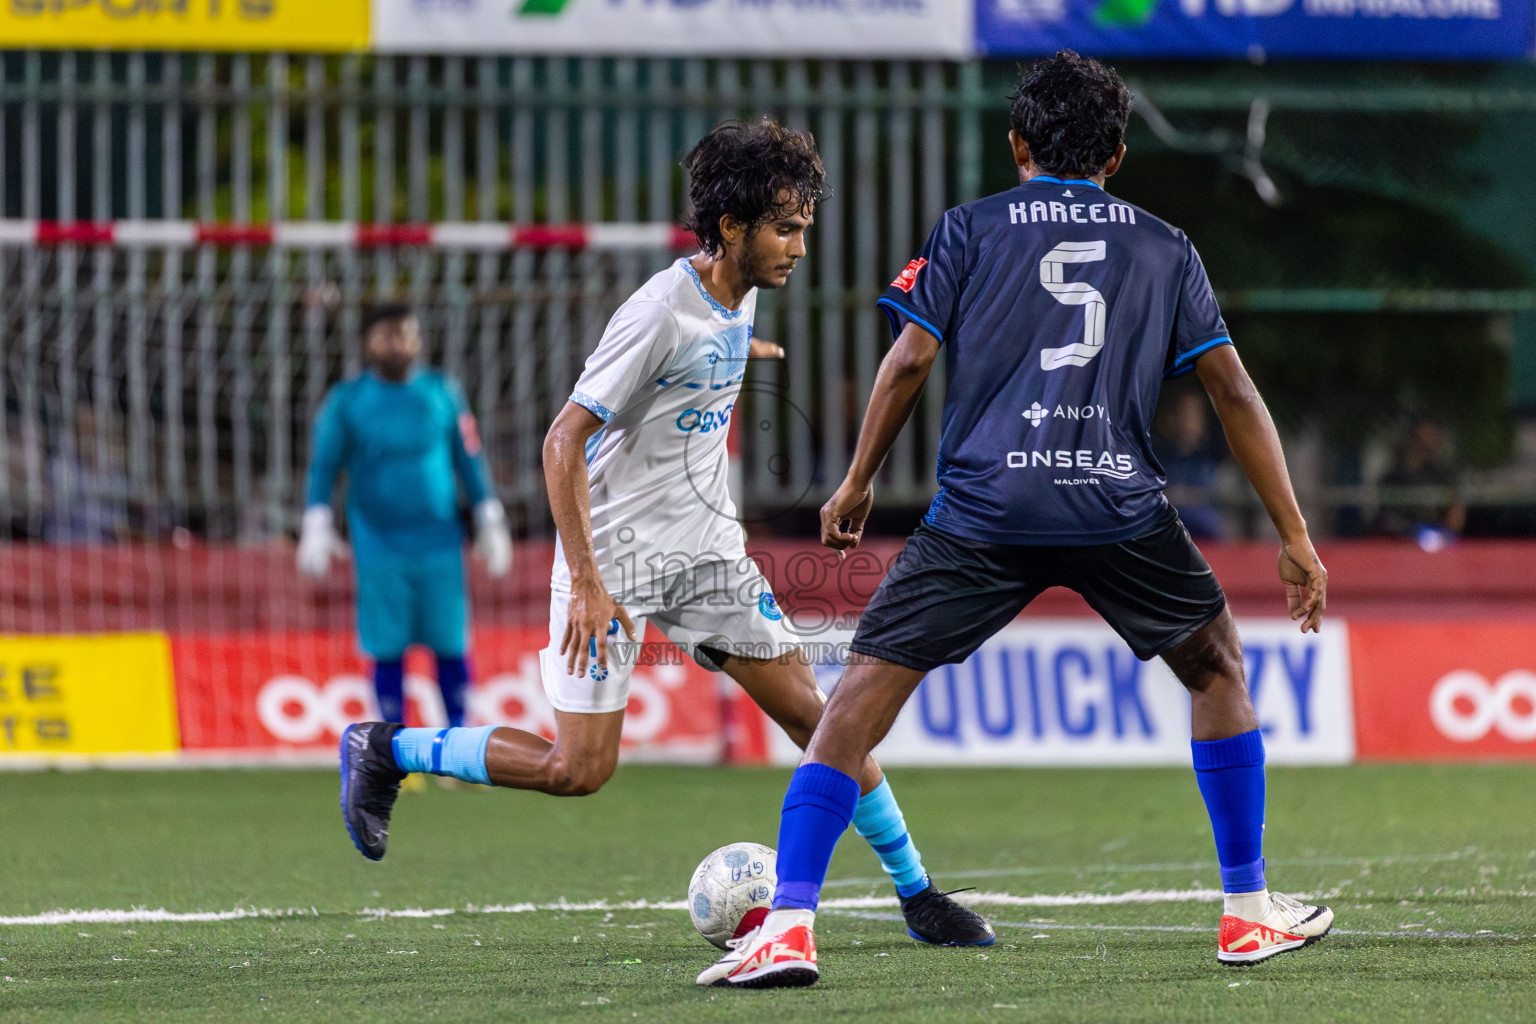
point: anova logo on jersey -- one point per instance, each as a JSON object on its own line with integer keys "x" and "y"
{"x": 1037, "y": 414}
{"x": 1090, "y": 463}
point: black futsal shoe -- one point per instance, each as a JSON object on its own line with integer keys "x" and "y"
{"x": 369, "y": 784}
{"x": 934, "y": 918}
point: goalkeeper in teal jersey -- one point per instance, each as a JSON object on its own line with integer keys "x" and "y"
{"x": 408, "y": 442}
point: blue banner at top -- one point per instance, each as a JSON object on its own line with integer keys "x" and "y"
{"x": 1408, "y": 29}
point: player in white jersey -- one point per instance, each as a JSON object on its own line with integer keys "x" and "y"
{"x": 665, "y": 541}
{"x": 636, "y": 467}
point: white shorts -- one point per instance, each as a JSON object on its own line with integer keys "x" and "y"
{"x": 715, "y": 607}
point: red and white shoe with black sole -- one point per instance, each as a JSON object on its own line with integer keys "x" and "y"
{"x": 1290, "y": 924}
{"x": 783, "y": 960}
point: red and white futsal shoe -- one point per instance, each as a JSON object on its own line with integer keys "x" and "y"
{"x": 779, "y": 953}
{"x": 1286, "y": 924}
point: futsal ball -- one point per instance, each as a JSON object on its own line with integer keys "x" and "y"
{"x": 732, "y": 890}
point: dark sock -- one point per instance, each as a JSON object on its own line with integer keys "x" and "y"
{"x": 389, "y": 687}
{"x": 453, "y": 680}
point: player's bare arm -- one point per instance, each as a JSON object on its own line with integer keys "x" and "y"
{"x": 570, "y": 499}
{"x": 903, "y": 372}
{"x": 1251, "y": 436}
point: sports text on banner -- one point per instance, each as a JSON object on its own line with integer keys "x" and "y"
{"x": 186, "y": 24}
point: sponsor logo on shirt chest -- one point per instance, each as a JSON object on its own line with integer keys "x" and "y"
{"x": 1087, "y": 461}
{"x": 1037, "y": 414}
{"x": 704, "y": 421}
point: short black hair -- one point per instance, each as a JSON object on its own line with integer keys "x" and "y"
{"x": 745, "y": 170}
{"x": 1072, "y": 112}
{"x": 383, "y": 313}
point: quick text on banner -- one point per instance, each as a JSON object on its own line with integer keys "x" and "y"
{"x": 1071, "y": 692}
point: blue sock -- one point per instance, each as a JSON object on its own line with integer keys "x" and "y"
{"x": 1231, "y": 777}
{"x": 817, "y": 809}
{"x": 879, "y": 821}
{"x": 389, "y": 687}
{"x": 453, "y": 680}
{"x": 456, "y": 752}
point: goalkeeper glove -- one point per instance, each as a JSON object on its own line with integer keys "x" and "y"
{"x": 493, "y": 541}
{"x": 318, "y": 541}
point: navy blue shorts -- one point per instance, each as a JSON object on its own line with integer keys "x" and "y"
{"x": 945, "y": 595}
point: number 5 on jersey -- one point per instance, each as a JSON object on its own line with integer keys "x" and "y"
{"x": 1074, "y": 293}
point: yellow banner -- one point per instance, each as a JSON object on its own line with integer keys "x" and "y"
{"x": 71, "y": 695}
{"x": 185, "y": 24}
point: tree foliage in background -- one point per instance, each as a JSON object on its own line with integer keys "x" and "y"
{"x": 1355, "y": 375}
{"x": 1366, "y": 201}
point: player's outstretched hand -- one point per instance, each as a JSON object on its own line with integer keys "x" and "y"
{"x": 760, "y": 349}
{"x": 593, "y": 613}
{"x": 1306, "y": 583}
{"x": 850, "y": 505}
{"x": 493, "y": 541}
{"x": 318, "y": 541}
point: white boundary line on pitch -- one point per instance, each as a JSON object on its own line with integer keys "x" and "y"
{"x": 142, "y": 915}
{"x": 1195, "y": 929}
{"x": 1386, "y": 860}
{"x": 855, "y": 905}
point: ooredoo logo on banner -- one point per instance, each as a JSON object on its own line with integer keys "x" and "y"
{"x": 1447, "y": 691}
{"x": 1069, "y": 692}
{"x": 285, "y": 694}
{"x": 704, "y": 28}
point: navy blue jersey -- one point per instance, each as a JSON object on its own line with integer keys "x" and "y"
{"x": 1061, "y": 310}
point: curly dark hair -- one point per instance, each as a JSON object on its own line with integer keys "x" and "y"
{"x": 754, "y": 172}
{"x": 1072, "y": 112}
{"x": 383, "y": 313}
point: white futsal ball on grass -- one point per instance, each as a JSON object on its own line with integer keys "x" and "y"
{"x": 732, "y": 890}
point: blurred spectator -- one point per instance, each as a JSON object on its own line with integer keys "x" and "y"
{"x": 1426, "y": 505}
{"x": 1191, "y": 452}
{"x": 88, "y": 485}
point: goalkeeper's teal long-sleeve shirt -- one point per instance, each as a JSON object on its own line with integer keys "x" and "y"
{"x": 406, "y": 448}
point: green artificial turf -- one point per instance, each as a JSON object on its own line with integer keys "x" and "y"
{"x": 1431, "y": 870}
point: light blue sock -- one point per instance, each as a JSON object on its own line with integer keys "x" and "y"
{"x": 456, "y": 752}
{"x": 878, "y": 819}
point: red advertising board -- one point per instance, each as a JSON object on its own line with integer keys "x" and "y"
{"x": 1444, "y": 690}
{"x": 294, "y": 692}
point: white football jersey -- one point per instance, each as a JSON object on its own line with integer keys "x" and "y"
{"x": 664, "y": 379}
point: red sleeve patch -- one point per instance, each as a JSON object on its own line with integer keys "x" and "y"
{"x": 907, "y": 279}
{"x": 470, "y": 433}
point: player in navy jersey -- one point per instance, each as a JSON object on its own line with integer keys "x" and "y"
{"x": 1060, "y": 310}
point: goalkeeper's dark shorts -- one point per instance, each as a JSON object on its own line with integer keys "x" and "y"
{"x": 945, "y": 595}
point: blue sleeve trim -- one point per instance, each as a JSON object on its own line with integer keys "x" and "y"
{"x": 904, "y": 311}
{"x": 592, "y": 405}
{"x": 1186, "y": 362}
